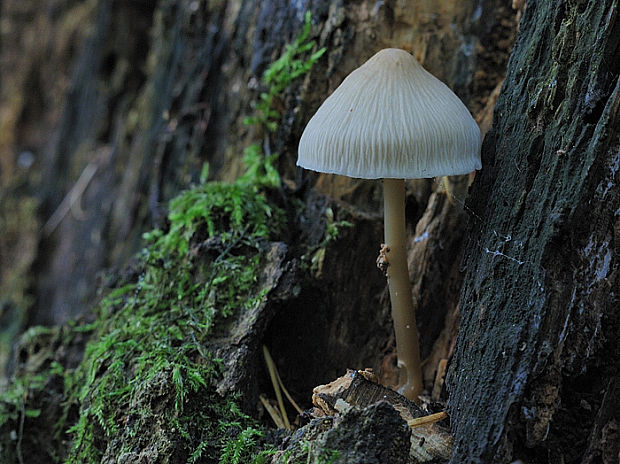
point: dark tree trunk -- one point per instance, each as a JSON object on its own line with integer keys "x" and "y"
{"x": 535, "y": 373}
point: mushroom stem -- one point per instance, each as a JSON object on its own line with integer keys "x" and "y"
{"x": 403, "y": 314}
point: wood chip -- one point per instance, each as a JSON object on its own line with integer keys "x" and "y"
{"x": 429, "y": 440}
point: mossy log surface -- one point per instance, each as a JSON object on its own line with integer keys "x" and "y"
{"x": 536, "y": 363}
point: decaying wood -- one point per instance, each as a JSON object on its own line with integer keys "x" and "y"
{"x": 604, "y": 440}
{"x": 537, "y": 352}
{"x": 434, "y": 260}
{"x": 374, "y": 434}
{"x": 359, "y": 389}
{"x": 439, "y": 379}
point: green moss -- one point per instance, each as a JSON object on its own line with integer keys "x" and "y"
{"x": 307, "y": 452}
{"x": 292, "y": 64}
{"x": 146, "y": 386}
{"x": 151, "y": 333}
{"x": 30, "y": 404}
{"x": 147, "y": 378}
{"x": 13, "y": 403}
{"x": 242, "y": 450}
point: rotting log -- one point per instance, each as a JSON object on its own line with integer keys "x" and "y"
{"x": 535, "y": 371}
{"x": 430, "y": 442}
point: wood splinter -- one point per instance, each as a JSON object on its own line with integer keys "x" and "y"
{"x": 426, "y": 420}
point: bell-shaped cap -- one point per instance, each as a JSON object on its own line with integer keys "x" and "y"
{"x": 390, "y": 118}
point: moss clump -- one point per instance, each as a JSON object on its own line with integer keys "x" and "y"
{"x": 147, "y": 370}
{"x": 145, "y": 390}
{"x": 292, "y": 64}
{"x": 31, "y": 405}
{"x": 147, "y": 381}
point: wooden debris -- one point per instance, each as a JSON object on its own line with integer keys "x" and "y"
{"x": 429, "y": 440}
{"x": 273, "y": 412}
{"x": 273, "y": 374}
{"x": 426, "y": 420}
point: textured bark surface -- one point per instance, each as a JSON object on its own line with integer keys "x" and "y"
{"x": 536, "y": 362}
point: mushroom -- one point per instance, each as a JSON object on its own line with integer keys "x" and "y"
{"x": 391, "y": 119}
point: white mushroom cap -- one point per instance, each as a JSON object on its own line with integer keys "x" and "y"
{"x": 390, "y": 118}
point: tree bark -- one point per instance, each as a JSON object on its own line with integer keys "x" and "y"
{"x": 536, "y": 365}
